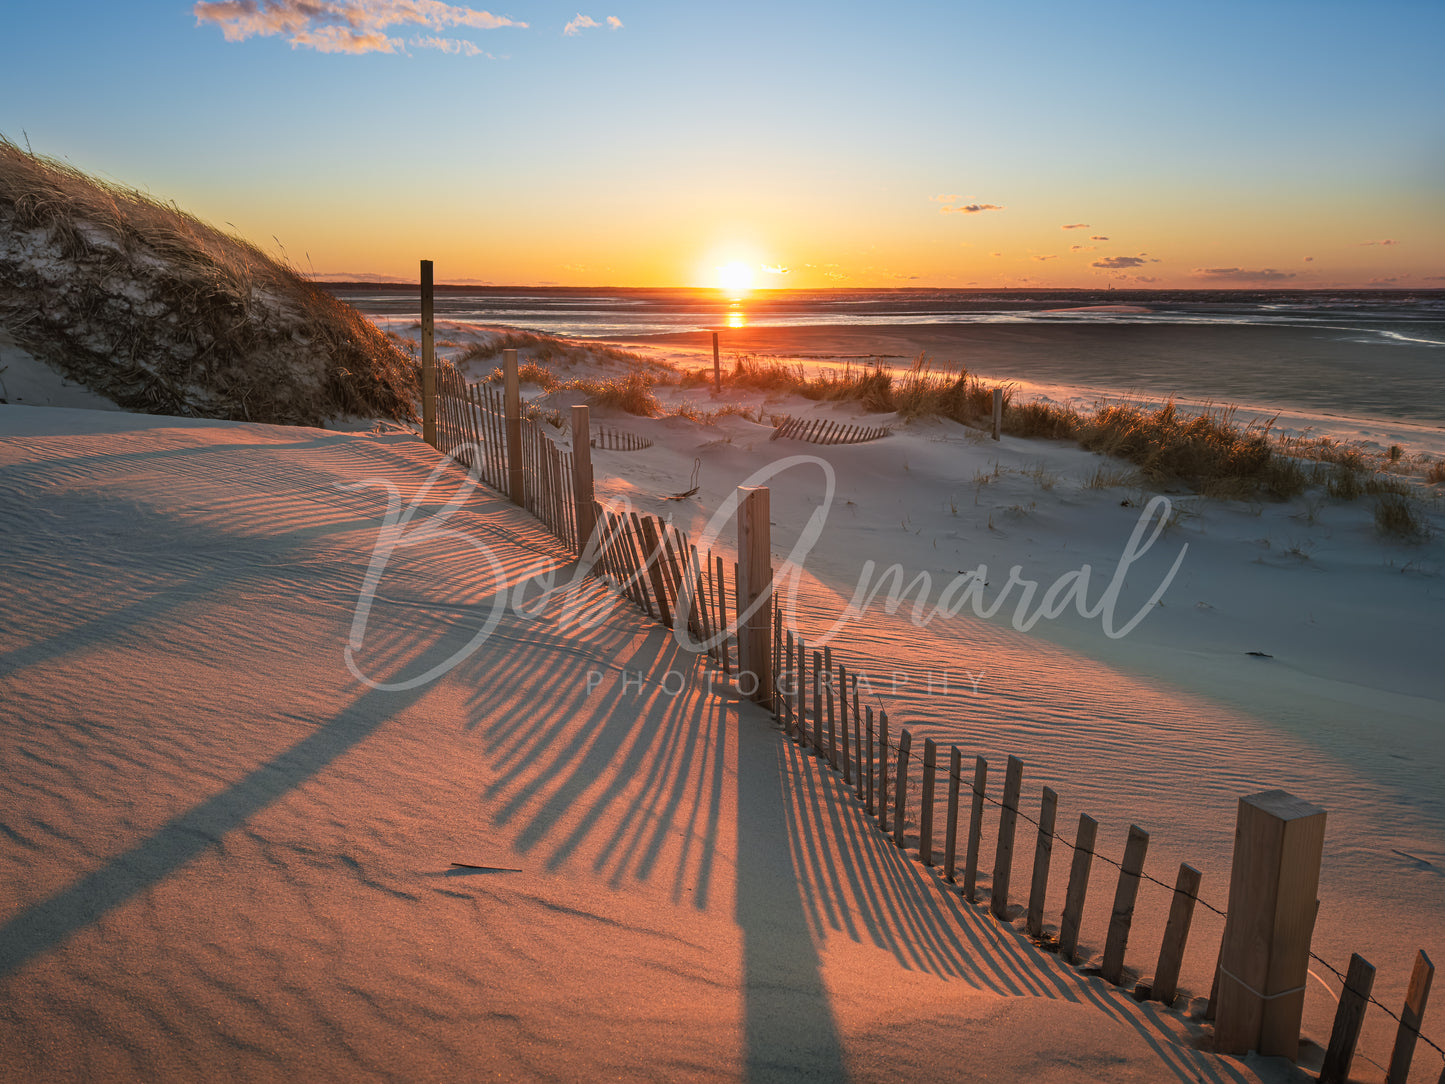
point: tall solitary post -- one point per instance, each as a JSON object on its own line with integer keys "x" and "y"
{"x": 1273, "y": 885}
{"x": 755, "y": 588}
{"x": 582, "y": 475}
{"x": 716, "y": 365}
{"x": 512, "y": 408}
{"x": 428, "y": 358}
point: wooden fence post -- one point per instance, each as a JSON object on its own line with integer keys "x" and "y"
{"x": 512, "y": 408}
{"x": 975, "y": 827}
{"x": 997, "y": 412}
{"x": 1008, "y": 818}
{"x": 1354, "y": 998}
{"x": 1409, "y": 1030}
{"x": 925, "y": 811}
{"x": 1263, "y": 960}
{"x": 1122, "y": 917}
{"x": 900, "y": 788}
{"x": 950, "y": 833}
{"x": 1176, "y": 935}
{"x": 582, "y": 476}
{"x": 882, "y": 770}
{"x": 428, "y": 358}
{"x": 716, "y": 365}
{"x": 1043, "y": 852}
{"x": 755, "y": 588}
{"x": 1078, "y": 888}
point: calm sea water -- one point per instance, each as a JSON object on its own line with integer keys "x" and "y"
{"x": 1377, "y": 354}
{"x": 1404, "y": 316}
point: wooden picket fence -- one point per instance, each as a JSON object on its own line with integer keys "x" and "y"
{"x": 618, "y": 440}
{"x": 822, "y": 431}
{"x": 818, "y": 703}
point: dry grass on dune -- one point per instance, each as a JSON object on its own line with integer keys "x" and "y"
{"x": 551, "y": 350}
{"x": 163, "y": 313}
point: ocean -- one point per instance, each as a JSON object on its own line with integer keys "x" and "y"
{"x": 1376, "y": 353}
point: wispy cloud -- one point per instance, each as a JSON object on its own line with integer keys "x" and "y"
{"x": 447, "y": 45}
{"x": 347, "y": 26}
{"x": 586, "y": 22}
{"x": 1075, "y": 226}
{"x": 1366, "y": 244}
{"x": 774, "y": 270}
{"x": 1240, "y": 274}
{"x": 1115, "y": 263}
{"x": 1041, "y": 259}
{"x": 1082, "y": 248}
{"x": 970, "y": 209}
{"x": 1309, "y": 259}
{"x": 945, "y": 199}
{"x": 1096, "y": 237}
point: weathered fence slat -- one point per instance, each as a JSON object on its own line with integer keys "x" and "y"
{"x": 925, "y": 812}
{"x": 975, "y": 827}
{"x": 1176, "y": 935}
{"x": 1359, "y": 980}
{"x": 1078, "y": 887}
{"x": 1043, "y": 852}
{"x": 900, "y": 787}
{"x": 950, "y": 833}
{"x": 1122, "y": 916}
{"x": 1410, "y": 1017}
{"x": 1008, "y": 818}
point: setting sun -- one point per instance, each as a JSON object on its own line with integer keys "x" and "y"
{"x": 735, "y": 276}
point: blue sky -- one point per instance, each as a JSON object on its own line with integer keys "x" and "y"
{"x": 1243, "y": 144}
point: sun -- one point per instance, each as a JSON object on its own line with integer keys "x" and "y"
{"x": 736, "y": 277}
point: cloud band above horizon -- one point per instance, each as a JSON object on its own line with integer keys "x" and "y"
{"x": 347, "y": 26}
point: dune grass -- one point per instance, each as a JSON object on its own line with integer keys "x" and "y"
{"x": 163, "y": 313}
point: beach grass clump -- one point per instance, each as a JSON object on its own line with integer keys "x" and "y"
{"x": 1397, "y": 517}
{"x": 1205, "y": 451}
{"x": 163, "y": 313}
{"x": 1435, "y": 473}
{"x": 1037, "y": 419}
{"x": 631, "y": 394}
{"x": 527, "y": 373}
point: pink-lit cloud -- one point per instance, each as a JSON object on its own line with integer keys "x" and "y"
{"x": 945, "y": 199}
{"x": 1366, "y": 244}
{"x": 1117, "y": 263}
{"x": 1096, "y": 237}
{"x": 1075, "y": 226}
{"x": 347, "y": 26}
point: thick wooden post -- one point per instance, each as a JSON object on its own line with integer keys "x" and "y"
{"x": 997, "y": 412}
{"x": 1344, "y": 1036}
{"x": 716, "y": 365}
{"x": 868, "y": 752}
{"x": 1078, "y": 888}
{"x": 925, "y": 810}
{"x": 950, "y": 833}
{"x": 755, "y": 591}
{"x": 582, "y": 475}
{"x": 1122, "y": 917}
{"x": 1043, "y": 852}
{"x": 1274, "y": 883}
{"x": 512, "y": 411}
{"x": 1008, "y": 819}
{"x": 1176, "y": 935}
{"x": 975, "y": 827}
{"x": 428, "y": 358}
{"x": 1409, "y": 1030}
